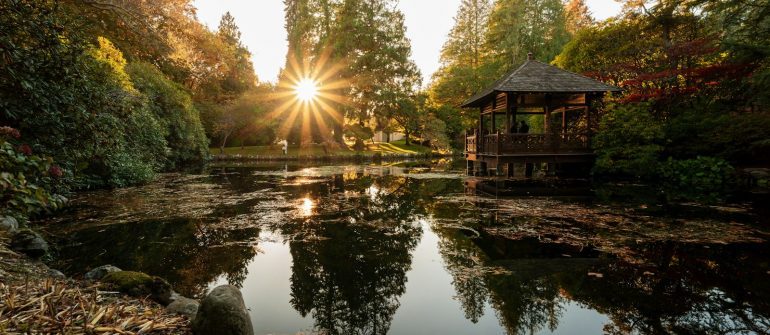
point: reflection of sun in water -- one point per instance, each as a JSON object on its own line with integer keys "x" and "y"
{"x": 306, "y": 90}
{"x": 373, "y": 191}
{"x": 306, "y": 207}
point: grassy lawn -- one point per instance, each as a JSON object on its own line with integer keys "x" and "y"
{"x": 393, "y": 148}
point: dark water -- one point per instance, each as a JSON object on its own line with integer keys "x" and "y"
{"x": 415, "y": 249}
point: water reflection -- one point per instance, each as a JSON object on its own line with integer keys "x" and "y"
{"x": 361, "y": 243}
{"x": 306, "y": 207}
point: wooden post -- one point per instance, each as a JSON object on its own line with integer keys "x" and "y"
{"x": 480, "y": 133}
{"x": 494, "y": 106}
{"x": 564, "y": 121}
{"x": 507, "y": 113}
{"x": 547, "y": 126}
{"x": 512, "y": 108}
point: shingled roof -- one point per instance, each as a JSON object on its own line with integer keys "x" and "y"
{"x": 537, "y": 77}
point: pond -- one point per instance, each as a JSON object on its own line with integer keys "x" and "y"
{"x": 418, "y": 248}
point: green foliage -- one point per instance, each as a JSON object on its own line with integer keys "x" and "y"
{"x": 27, "y": 182}
{"x": 359, "y": 132}
{"x": 434, "y": 131}
{"x": 74, "y": 95}
{"x": 175, "y": 111}
{"x": 708, "y": 131}
{"x": 72, "y": 100}
{"x": 519, "y": 27}
{"x": 702, "y": 178}
{"x": 628, "y": 142}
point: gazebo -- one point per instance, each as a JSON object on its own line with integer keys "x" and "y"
{"x": 556, "y": 106}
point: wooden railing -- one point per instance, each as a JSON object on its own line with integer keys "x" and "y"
{"x": 503, "y": 144}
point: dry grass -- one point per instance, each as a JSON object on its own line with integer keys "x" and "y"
{"x": 58, "y": 307}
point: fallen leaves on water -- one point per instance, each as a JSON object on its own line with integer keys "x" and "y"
{"x": 56, "y": 307}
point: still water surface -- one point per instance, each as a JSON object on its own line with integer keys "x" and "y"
{"x": 415, "y": 249}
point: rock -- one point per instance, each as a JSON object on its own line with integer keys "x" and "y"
{"x": 8, "y": 224}
{"x": 56, "y": 274}
{"x": 183, "y": 306}
{"x": 223, "y": 312}
{"x": 161, "y": 290}
{"x": 140, "y": 284}
{"x": 100, "y": 272}
{"x": 29, "y": 243}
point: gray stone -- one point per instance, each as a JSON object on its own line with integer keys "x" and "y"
{"x": 8, "y": 224}
{"x": 29, "y": 243}
{"x": 100, "y": 272}
{"x": 223, "y": 312}
{"x": 183, "y": 306}
{"x": 56, "y": 274}
{"x": 161, "y": 290}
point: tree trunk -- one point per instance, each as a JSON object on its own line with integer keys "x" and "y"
{"x": 406, "y": 137}
{"x": 338, "y": 133}
{"x": 224, "y": 142}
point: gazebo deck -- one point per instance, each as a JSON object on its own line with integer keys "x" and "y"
{"x": 528, "y": 148}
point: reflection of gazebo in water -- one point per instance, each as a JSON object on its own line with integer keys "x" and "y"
{"x": 556, "y": 105}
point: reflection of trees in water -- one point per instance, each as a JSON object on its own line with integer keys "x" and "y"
{"x": 350, "y": 266}
{"x": 351, "y": 283}
{"x": 526, "y": 299}
{"x": 679, "y": 288}
{"x": 183, "y": 251}
{"x": 525, "y": 304}
{"x": 462, "y": 259}
{"x": 684, "y": 288}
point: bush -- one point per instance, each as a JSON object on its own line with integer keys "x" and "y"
{"x": 172, "y": 105}
{"x": 627, "y": 143}
{"x": 702, "y": 178}
{"x": 27, "y": 181}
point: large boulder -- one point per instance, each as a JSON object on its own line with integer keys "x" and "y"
{"x": 100, "y": 272}
{"x": 29, "y": 243}
{"x": 140, "y": 284}
{"x": 8, "y": 224}
{"x": 183, "y": 306}
{"x": 222, "y": 312}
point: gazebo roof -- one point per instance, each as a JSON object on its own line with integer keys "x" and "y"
{"x": 537, "y": 77}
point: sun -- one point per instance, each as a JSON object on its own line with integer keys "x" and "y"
{"x": 306, "y": 90}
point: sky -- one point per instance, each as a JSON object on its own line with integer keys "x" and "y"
{"x": 427, "y": 22}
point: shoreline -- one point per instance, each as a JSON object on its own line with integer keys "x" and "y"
{"x": 328, "y": 158}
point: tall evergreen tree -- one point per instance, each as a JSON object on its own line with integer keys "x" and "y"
{"x": 240, "y": 76}
{"x": 578, "y": 16}
{"x": 461, "y": 73}
{"x": 463, "y": 70}
{"x": 518, "y": 27}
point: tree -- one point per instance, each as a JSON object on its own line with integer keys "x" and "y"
{"x": 463, "y": 71}
{"x": 519, "y": 27}
{"x": 240, "y": 76}
{"x": 578, "y": 16}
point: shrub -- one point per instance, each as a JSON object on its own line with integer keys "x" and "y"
{"x": 627, "y": 143}
{"x": 172, "y": 105}
{"x": 702, "y": 178}
{"x": 27, "y": 180}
